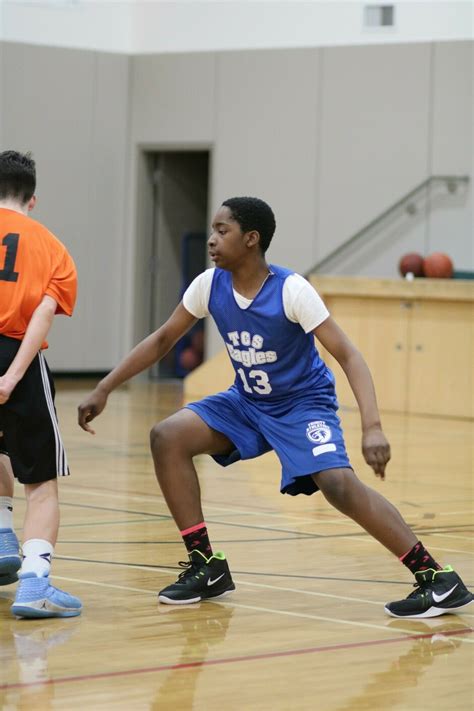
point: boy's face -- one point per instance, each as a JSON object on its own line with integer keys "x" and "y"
{"x": 228, "y": 245}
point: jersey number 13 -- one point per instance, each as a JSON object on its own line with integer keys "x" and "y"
{"x": 259, "y": 381}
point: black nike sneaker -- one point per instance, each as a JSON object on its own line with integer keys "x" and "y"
{"x": 203, "y": 578}
{"x": 437, "y": 592}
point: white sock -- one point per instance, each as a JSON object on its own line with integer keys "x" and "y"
{"x": 6, "y": 512}
{"x": 37, "y": 555}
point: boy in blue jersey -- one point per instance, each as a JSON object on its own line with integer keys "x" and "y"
{"x": 283, "y": 398}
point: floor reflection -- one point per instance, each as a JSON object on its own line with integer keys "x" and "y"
{"x": 201, "y": 628}
{"x": 390, "y": 688}
{"x": 24, "y": 649}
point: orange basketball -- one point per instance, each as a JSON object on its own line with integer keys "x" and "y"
{"x": 438, "y": 266}
{"x": 189, "y": 359}
{"x": 411, "y": 262}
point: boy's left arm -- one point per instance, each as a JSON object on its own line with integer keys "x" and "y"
{"x": 375, "y": 447}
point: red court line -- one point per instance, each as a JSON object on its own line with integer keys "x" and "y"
{"x": 233, "y": 660}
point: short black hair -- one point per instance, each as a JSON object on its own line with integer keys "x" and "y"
{"x": 17, "y": 176}
{"x": 253, "y": 214}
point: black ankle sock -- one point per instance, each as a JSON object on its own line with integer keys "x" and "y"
{"x": 418, "y": 558}
{"x": 197, "y": 538}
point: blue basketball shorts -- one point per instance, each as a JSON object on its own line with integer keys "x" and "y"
{"x": 305, "y": 433}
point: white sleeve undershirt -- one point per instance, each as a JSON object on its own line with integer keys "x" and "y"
{"x": 301, "y": 301}
{"x": 303, "y": 304}
{"x": 196, "y": 296}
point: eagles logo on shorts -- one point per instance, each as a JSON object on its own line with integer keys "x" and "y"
{"x": 318, "y": 432}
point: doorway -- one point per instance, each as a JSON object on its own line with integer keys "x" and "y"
{"x": 180, "y": 187}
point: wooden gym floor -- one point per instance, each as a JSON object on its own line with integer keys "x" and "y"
{"x": 305, "y": 628}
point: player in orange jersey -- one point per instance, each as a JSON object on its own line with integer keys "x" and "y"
{"x": 37, "y": 280}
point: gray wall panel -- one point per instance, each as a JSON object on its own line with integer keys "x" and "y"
{"x": 48, "y": 95}
{"x": 69, "y": 108}
{"x": 107, "y": 188}
{"x": 374, "y": 136}
{"x": 2, "y": 98}
{"x": 453, "y": 120}
{"x": 172, "y": 98}
{"x": 451, "y": 227}
{"x": 267, "y": 142}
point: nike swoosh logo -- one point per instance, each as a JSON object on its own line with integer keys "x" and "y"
{"x": 440, "y": 598}
{"x": 212, "y": 582}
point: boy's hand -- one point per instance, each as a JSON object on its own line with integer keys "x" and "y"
{"x": 376, "y": 450}
{"x": 7, "y": 386}
{"x": 90, "y": 408}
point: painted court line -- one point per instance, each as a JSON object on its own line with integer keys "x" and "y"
{"x": 434, "y": 547}
{"x": 309, "y": 592}
{"x": 159, "y": 500}
{"x": 225, "y": 660}
{"x": 448, "y": 535}
{"x": 143, "y": 519}
{"x": 241, "y": 582}
{"x": 320, "y": 618}
{"x": 237, "y": 580}
{"x": 156, "y": 498}
{"x": 104, "y": 585}
{"x": 369, "y": 539}
{"x": 215, "y": 507}
{"x": 277, "y": 515}
{"x": 288, "y": 613}
{"x": 132, "y": 566}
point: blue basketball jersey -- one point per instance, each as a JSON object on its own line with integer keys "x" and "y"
{"x": 273, "y": 357}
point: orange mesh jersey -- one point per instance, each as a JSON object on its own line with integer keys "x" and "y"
{"x": 33, "y": 264}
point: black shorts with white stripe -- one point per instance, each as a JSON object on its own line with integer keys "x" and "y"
{"x": 29, "y": 431}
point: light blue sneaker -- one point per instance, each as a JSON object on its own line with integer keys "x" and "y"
{"x": 36, "y": 597}
{"x": 10, "y": 559}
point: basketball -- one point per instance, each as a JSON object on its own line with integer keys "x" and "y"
{"x": 411, "y": 263}
{"x": 189, "y": 359}
{"x": 438, "y": 266}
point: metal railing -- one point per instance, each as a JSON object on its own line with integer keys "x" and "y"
{"x": 407, "y": 201}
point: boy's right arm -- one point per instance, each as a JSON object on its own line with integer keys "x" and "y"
{"x": 149, "y": 351}
{"x": 35, "y": 334}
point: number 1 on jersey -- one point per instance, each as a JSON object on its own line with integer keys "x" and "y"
{"x": 8, "y": 273}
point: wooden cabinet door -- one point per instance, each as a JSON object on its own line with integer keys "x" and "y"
{"x": 379, "y": 329}
{"x": 441, "y": 342}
